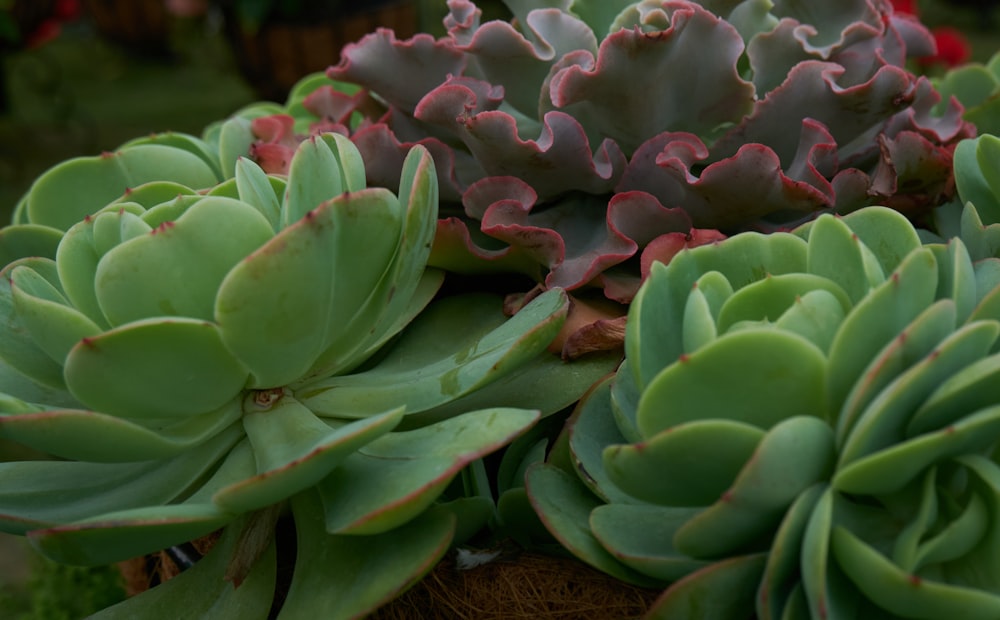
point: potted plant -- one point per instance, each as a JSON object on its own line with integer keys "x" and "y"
{"x": 694, "y": 183}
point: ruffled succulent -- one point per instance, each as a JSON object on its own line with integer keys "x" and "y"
{"x": 196, "y": 358}
{"x": 804, "y": 425}
{"x": 584, "y": 134}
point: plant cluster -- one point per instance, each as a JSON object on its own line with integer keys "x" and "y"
{"x": 263, "y": 327}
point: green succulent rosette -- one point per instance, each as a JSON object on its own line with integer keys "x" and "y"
{"x": 201, "y": 353}
{"x": 804, "y": 426}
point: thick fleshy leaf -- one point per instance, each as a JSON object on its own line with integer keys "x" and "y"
{"x": 912, "y": 346}
{"x": 278, "y": 325}
{"x": 20, "y": 353}
{"x": 697, "y": 595}
{"x": 293, "y": 450}
{"x": 38, "y": 494}
{"x": 564, "y": 505}
{"x": 338, "y": 576}
{"x": 877, "y": 319}
{"x": 592, "y": 431}
{"x": 70, "y": 191}
{"x": 426, "y": 370}
{"x": 185, "y": 142}
{"x": 688, "y": 390}
{"x": 837, "y": 254}
{"x": 158, "y": 368}
{"x": 527, "y": 387}
{"x": 24, "y": 240}
{"x": 886, "y": 232}
{"x": 149, "y": 195}
{"x": 314, "y": 177}
{"x": 54, "y": 325}
{"x": 117, "y": 536}
{"x": 101, "y": 438}
{"x": 414, "y": 467}
{"x": 401, "y": 291}
{"x": 176, "y": 269}
{"x": 890, "y": 469}
{"x": 669, "y": 468}
{"x": 641, "y": 537}
{"x": 204, "y": 592}
{"x": 651, "y": 340}
{"x": 904, "y": 594}
{"x": 883, "y": 423}
{"x": 255, "y": 188}
{"x": 975, "y": 387}
{"x": 768, "y": 299}
{"x": 793, "y": 456}
{"x": 777, "y": 588}
{"x": 590, "y": 87}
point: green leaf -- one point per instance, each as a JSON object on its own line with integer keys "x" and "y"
{"x": 816, "y": 316}
{"x": 76, "y": 261}
{"x": 781, "y": 574}
{"x": 837, "y": 254}
{"x": 54, "y": 325}
{"x": 339, "y": 576}
{"x": 117, "y": 536}
{"x": 883, "y": 423}
{"x": 397, "y": 476}
{"x": 395, "y": 293}
{"x": 184, "y": 142}
{"x": 177, "y": 268}
{"x": 956, "y": 277}
{"x": 904, "y": 594}
{"x": 564, "y": 505}
{"x": 97, "y": 437}
{"x": 793, "y": 456}
{"x": 38, "y": 494}
{"x": 697, "y": 596}
{"x": 294, "y": 450}
{"x": 653, "y": 339}
{"x": 592, "y": 431}
{"x": 149, "y": 195}
{"x": 891, "y": 468}
{"x": 76, "y": 188}
{"x": 975, "y": 387}
{"x": 235, "y": 140}
{"x": 255, "y": 188}
{"x": 768, "y": 299}
{"x": 641, "y": 537}
{"x": 886, "y": 232}
{"x": 769, "y": 376}
{"x": 24, "y": 240}
{"x": 877, "y": 319}
{"x": 203, "y": 591}
{"x": 17, "y": 348}
{"x": 314, "y": 177}
{"x": 672, "y": 468}
{"x": 913, "y": 344}
{"x": 278, "y": 325}
{"x": 446, "y": 353}
{"x": 160, "y": 368}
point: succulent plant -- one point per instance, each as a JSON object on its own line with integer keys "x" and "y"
{"x": 200, "y": 353}
{"x": 804, "y": 425}
{"x": 584, "y": 134}
{"x": 977, "y": 87}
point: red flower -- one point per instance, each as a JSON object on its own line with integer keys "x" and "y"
{"x": 952, "y": 48}
{"x": 905, "y": 6}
